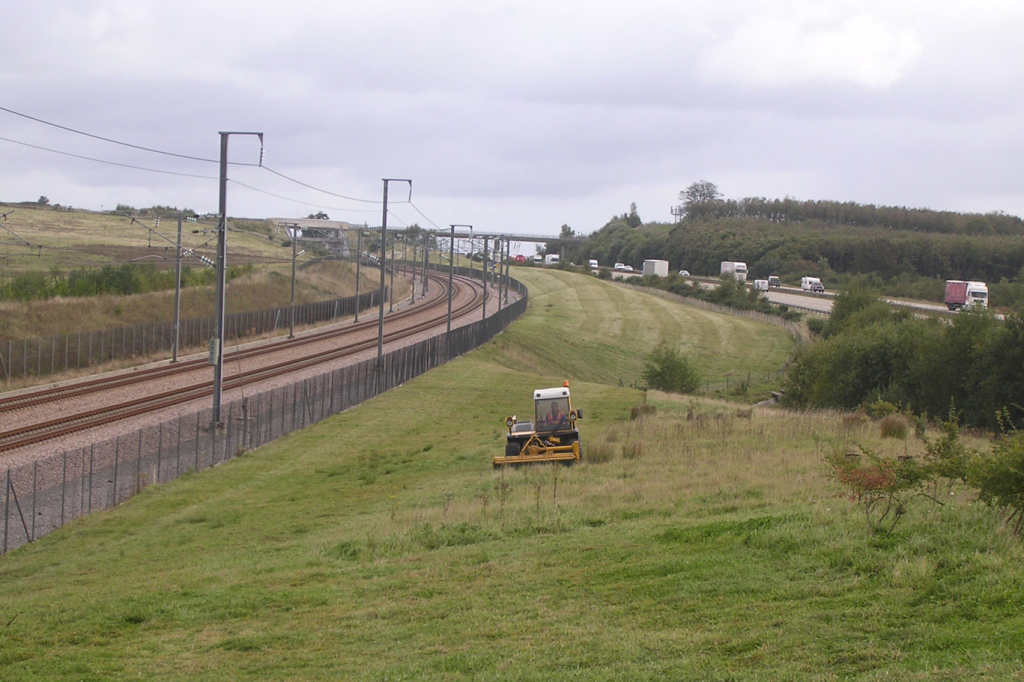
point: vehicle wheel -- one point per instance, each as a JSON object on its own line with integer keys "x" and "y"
{"x": 512, "y": 449}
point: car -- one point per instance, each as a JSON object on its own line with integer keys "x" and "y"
{"x": 817, "y": 287}
{"x": 621, "y": 266}
{"x": 684, "y": 273}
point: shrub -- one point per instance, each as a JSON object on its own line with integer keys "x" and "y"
{"x": 947, "y": 455}
{"x": 634, "y": 450}
{"x": 600, "y": 452}
{"x": 894, "y": 426}
{"x": 881, "y": 485}
{"x": 641, "y": 410}
{"x": 668, "y": 370}
{"x": 999, "y": 478}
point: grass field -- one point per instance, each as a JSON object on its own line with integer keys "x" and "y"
{"x": 83, "y": 239}
{"x": 701, "y": 542}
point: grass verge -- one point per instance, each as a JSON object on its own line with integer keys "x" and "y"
{"x": 705, "y": 544}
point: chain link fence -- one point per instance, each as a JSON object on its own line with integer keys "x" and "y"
{"x": 41, "y": 497}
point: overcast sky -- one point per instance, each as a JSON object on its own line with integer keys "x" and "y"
{"x": 515, "y": 116}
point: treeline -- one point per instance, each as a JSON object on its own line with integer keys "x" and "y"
{"x": 897, "y": 262}
{"x": 156, "y": 211}
{"x": 852, "y": 214}
{"x": 870, "y": 353}
{"x": 130, "y": 278}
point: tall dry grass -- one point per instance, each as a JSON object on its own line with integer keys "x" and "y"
{"x": 267, "y": 288}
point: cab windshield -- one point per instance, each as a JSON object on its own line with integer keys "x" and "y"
{"x": 552, "y": 414}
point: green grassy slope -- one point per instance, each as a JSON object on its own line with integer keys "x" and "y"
{"x": 597, "y": 331}
{"x": 381, "y": 545}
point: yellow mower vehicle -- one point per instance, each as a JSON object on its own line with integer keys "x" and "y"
{"x": 551, "y": 437}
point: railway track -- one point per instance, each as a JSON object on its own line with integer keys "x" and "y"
{"x": 398, "y": 326}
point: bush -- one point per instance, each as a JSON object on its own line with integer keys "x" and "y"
{"x": 881, "y": 485}
{"x": 948, "y": 457}
{"x": 999, "y": 479}
{"x": 894, "y": 426}
{"x": 600, "y": 452}
{"x": 816, "y": 324}
{"x": 668, "y": 370}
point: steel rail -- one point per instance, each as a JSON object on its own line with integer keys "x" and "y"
{"x": 105, "y": 383}
{"x": 31, "y": 434}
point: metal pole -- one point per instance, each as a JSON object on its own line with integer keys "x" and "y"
{"x": 483, "y": 276}
{"x": 451, "y": 274}
{"x": 391, "y": 299}
{"x": 291, "y": 323}
{"x": 359, "y": 258}
{"x": 217, "y": 343}
{"x": 383, "y": 247}
{"x": 414, "y": 261}
{"x": 380, "y": 317}
{"x": 426, "y": 262}
{"x": 177, "y": 295}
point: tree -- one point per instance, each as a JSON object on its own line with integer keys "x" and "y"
{"x": 43, "y": 201}
{"x": 700, "y": 198}
{"x": 666, "y": 369}
{"x": 319, "y": 215}
{"x": 567, "y": 233}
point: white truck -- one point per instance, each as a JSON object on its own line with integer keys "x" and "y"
{"x": 737, "y": 269}
{"x": 812, "y": 284}
{"x": 655, "y": 267}
{"x": 960, "y": 294}
{"x": 760, "y": 285}
{"x": 551, "y": 259}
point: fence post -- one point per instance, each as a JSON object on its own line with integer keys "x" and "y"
{"x": 7, "y": 506}
{"x": 138, "y": 463}
{"x": 63, "y": 486}
{"x": 159, "y": 447}
{"x": 117, "y": 455}
{"x": 197, "y": 442}
{"x": 35, "y": 493}
{"x": 90, "y": 476}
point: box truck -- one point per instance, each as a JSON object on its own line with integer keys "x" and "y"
{"x": 960, "y": 294}
{"x": 736, "y": 269}
{"x": 812, "y": 284}
{"x": 656, "y": 267}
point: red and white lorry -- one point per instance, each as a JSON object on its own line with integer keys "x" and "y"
{"x": 960, "y": 294}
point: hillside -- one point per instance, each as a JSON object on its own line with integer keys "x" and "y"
{"x": 893, "y": 258}
{"x": 701, "y": 541}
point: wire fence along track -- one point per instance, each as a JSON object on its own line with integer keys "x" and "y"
{"x": 30, "y": 433}
{"x": 44, "y": 355}
{"x": 40, "y": 497}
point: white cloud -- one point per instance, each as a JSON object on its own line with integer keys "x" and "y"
{"x": 778, "y": 52}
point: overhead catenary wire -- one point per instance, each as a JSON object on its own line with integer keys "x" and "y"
{"x": 109, "y": 163}
{"x": 189, "y": 157}
{"x": 117, "y": 142}
{"x": 300, "y": 201}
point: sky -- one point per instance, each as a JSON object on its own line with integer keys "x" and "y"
{"x": 512, "y": 116}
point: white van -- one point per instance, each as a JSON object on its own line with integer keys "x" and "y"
{"x": 593, "y": 264}
{"x": 551, "y": 259}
